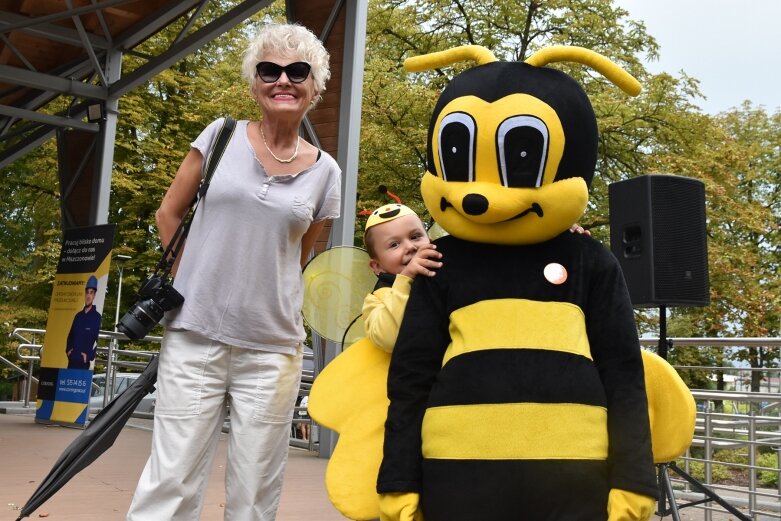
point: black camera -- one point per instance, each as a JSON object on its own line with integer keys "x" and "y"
{"x": 155, "y": 297}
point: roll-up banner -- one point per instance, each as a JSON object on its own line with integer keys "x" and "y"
{"x": 73, "y": 325}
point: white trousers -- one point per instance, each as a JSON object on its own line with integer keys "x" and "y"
{"x": 197, "y": 379}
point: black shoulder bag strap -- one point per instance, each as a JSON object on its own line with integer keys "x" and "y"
{"x": 177, "y": 241}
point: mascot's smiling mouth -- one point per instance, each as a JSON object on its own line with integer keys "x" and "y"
{"x": 535, "y": 208}
{"x": 444, "y": 204}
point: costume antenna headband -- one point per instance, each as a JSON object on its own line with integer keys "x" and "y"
{"x": 463, "y": 53}
{"x": 557, "y": 53}
{"x": 596, "y": 61}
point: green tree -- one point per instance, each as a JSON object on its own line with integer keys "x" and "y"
{"x": 29, "y": 245}
{"x": 661, "y": 131}
{"x": 736, "y": 154}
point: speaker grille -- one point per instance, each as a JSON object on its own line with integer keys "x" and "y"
{"x": 680, "y": 245}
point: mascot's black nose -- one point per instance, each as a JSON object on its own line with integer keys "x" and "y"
{"x": 475, "y": 204}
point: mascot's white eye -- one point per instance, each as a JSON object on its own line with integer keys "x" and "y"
{"x": 522, "y": 146}
{"x": 456, "y": 147}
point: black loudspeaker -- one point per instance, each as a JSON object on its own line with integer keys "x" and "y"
{"x": 657, "y": 232}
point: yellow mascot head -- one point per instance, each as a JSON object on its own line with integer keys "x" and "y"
{"x": 512, "y": 146}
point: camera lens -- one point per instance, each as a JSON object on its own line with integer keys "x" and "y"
{"x": 140, "y": 319}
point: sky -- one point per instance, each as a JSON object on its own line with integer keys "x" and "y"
{"x": 733, "y": 47}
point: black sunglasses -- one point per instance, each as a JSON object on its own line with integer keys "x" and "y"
{"x": 270, "y": 72}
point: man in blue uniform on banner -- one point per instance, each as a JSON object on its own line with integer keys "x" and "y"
{"x": 83, "y": 335}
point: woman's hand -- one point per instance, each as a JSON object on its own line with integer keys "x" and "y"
{"x": 576, "y": 228}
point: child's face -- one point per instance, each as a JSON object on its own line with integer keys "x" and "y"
{"x": 395, "y": 243}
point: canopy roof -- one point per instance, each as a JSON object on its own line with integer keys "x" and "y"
{"x": 71, "y": 50}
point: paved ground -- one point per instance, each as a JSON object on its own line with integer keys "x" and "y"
{"x": 104, "y": 489}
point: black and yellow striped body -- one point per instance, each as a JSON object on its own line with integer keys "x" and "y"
{"x": 508, "y": 401}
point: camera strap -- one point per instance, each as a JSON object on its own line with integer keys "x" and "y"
{"x": 220, "y": 144}
{"x": 177, "y": 241}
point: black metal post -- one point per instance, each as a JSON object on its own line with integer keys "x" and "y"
{"x": 662, "y": 348}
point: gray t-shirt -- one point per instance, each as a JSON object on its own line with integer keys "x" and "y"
{"x": 240, "y": 271}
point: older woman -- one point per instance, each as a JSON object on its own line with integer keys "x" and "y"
{"x": 237, "y": 340}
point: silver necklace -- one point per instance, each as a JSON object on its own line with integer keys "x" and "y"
{"x": 289, "y": 160}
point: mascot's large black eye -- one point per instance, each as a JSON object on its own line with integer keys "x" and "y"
{"x": 522, "y": 147}
{"x": 456, "y": 147}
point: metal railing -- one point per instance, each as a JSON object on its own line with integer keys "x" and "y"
{"x": 111, "y": 357}
{"x": 736, "y": 451}
{"x": 29, "y": 351}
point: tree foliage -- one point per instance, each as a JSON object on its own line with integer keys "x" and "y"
{"x": 663, "y": 130}
{"x": 735, "y": 154}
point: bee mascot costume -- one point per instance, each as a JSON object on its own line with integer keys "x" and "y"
{"x": 516, "y": 387}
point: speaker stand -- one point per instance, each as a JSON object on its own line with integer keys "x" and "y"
{"x": 667, "y": 504}
{"x": 664, "y": 342}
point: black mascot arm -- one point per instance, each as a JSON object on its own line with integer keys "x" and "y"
{"x": 416, "y": 360}
{"x": 615, "y": 347}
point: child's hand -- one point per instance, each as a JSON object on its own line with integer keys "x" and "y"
{"x": 576, "y": 228}
{"x": 423, "y": 262}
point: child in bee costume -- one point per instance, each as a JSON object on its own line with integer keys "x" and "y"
{"x": 349, "y": 395}
{"x": 516, "y": 384}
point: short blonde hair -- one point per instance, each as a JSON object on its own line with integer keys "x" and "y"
{"x": 288, "y": 40}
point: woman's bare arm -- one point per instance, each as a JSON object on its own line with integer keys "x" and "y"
{"x": 179, "y": 196}
{"x": 309, "y": 239}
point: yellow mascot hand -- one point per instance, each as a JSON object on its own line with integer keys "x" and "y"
{"x": 623, "y": 505}
{"x": 401, "y": 506}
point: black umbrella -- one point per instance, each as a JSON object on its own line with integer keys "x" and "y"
{"x": 94, "y": 440}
